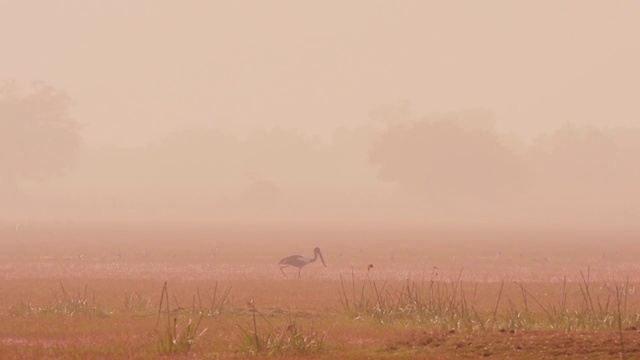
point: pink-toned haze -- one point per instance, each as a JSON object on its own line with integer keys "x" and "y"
{"x": 399, "y": 112}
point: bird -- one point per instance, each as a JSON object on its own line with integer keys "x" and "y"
{"x": 300, "y": 261}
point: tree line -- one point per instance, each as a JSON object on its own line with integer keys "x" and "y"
{"x": 440, "y": 167}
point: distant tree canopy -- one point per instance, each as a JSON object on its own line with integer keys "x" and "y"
{"x": 586, "y": 162}
{"x": 442, "y": 160}
{"x": 575, "y": 156}
{"x": 38, "y": 137}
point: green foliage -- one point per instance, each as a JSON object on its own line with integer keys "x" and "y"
{"x": 171, "y": 340}
{"x": 290, "y": 339}
{"x": 136, "y": 303}
{"x": 434, "y": 303}
{"x": 594, "y": 312}
{"x": 217, "y": 304}
{"x": 63, "y": 303}
{"x": 175, "y": 341}
{"x": 22, "y": 309}
{"x": 445, "y": 306}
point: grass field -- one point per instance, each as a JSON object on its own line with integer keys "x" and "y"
{"x": 75, "y": 292}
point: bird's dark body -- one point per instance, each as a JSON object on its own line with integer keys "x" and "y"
{"x": 295, "y": 260}
{"x": 300, "y": 261}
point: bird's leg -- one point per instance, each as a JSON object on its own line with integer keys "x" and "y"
{"x": 299, "y": 269}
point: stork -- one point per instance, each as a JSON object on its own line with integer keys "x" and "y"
{"x": 300, "y": 261}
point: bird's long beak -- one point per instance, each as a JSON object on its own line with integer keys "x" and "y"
{"x": 321, "y": 258}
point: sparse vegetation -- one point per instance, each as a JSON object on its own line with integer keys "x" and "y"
{"x": 170, "y": 340}
{"x": 65, "y": 307}
{"x": 440, "y": 305}
{"x": 63, "y": 303}
{"x": 427, "y": 302}
{"x": 273, "y": 340}
{"x": 133, "y": 302}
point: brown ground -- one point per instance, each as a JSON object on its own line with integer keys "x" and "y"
{"x": 120, "y": 273}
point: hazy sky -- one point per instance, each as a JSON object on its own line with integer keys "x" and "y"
{"x": 138, "y": 70}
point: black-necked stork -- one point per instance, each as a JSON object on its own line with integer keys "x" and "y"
{"x": 300, "y": 261}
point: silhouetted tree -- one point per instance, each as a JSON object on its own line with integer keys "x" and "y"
{"x": 38, "y": 137}
{"x": 574, "y": 155}
{"x": 261, "y": 191}
{"x": 444, "y": 161}
{"x": 584, "y": 170}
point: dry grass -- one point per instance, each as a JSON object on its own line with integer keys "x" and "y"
{"x": 97, "y": 293}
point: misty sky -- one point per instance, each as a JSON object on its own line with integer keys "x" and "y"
{"x": 139, "y": 70}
